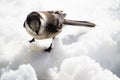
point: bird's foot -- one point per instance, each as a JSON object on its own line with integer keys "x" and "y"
{"x": 48, "y": 49}
{"x": 32, "y": 40}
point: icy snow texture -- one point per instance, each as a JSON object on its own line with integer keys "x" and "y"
{"x": 81, "y": 68}
{"x": 25, "y": 72}
{"x": 78, "y": 54}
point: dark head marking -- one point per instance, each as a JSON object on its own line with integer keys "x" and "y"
{"x": 33, "y": 20}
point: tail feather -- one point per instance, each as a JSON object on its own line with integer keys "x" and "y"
{"x": 78, "y": 23}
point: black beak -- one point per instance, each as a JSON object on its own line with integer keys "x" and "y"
{"x": 24, "y": 25}
{"x": 37, "y": 32}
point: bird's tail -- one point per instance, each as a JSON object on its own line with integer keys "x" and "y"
{"x": 78, "y": 23}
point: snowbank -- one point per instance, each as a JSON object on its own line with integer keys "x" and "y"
{"x": 78, "y": 53}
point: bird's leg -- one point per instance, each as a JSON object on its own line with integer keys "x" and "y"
{"x": 49, "y": 48}
{"x": 32, "y": 40}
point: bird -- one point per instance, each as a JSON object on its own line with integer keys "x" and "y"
{"x": 48, "y": 24}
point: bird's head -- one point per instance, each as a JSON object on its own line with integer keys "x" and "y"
{"x": 33, "y": 21}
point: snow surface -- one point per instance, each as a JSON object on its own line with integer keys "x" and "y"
{"x": 78, "y": 53}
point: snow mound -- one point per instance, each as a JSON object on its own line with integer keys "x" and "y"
{"x": 81, "y": 68}
{"x": 25, "y": 72}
